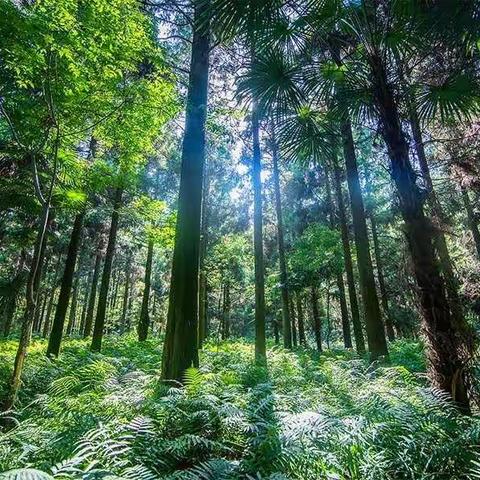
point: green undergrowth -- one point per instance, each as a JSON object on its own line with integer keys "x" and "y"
{"x": 106, "y": 416}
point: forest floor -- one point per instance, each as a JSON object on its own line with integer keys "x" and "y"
{"x": 92, "y": 416}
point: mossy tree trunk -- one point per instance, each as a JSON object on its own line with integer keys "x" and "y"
{"x": 181, "y": 338}
{"x": 32, "y": 291}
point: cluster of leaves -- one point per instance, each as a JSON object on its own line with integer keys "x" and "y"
{"x": 307, "y": 417}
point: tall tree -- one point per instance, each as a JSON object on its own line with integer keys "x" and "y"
{"x": 144, "y": 321}
{"x": 181, "y": 338}
{"x": 286, "y": 319}
{"x": 56, "y": 333}
{"x": 98, "y": 328}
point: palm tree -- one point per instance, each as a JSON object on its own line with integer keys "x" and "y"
{"x": 370, "y": 38}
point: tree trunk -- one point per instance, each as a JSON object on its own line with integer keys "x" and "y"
{"x": 86, "y": 296}
{"x": 51, "y": 302}
{"x": 293, "y": 321}
{"x": 347, "y": 337}
{"x": 260, "y": 341}
{"x": 11, "y": 303}
{"x": 66, "y": 287}
{"x": 202, "y": 293}
{"x": 33, "y": 281}
{"x": 107, "y": 270}
{"x": 381, "y": 279}
{"x": 286, "y": 321}
{"x": 301, "y": 321}
{"x": 181, "y": 338}
{"x": 449, "y": 346}
{"x": 73, "y": 307}
{"x": 226, "y": 311}
{"x": 144, "y": 322}
{"x": 347, "y": 257}
{"x": 126, "y": 296}
{"x": 317, "y": 322}
{"x": 440, "y": 242}
{"x": 93, "y": 295}
{"x": 377, "y": 343}
{"x": 8, "y": 314}
{"x": 472, "y": 222}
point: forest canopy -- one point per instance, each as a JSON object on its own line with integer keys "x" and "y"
{"x": 239, "y": 239}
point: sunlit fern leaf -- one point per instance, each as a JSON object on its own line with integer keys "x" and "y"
{"x": 213, "y": 469}
{"x": 138, "y": 472}
{"x": 193, "y": 380}
{"x": 141, "y": 426}
{"x": 25, "y": 474}
{"x": 63, "y": 386}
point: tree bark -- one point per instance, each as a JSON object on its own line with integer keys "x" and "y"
{"x": 202, "y": 293}
{"x": 107, "y": 270}
{"x": 144, "y": 322}
{"x": 377, "y": 343}
{"x": 11, "y": 302}
{"x": 260, "y": 340}
{"x": 56, "y": 333}
{"x": 33, "y": 281}
{"x": 317, "y": 322}
{"x": 440, "y": 242}
{"x": 293, "y": 321}
{"x": 93, "y": 295}
{"x": 73, "y": 307}
{"x": 85, "y": 302}
{"x": 126, "y": 296}
{"x": 286, "y": 320}
{"x": 381, "y": 279}
{"x": 449, "y": 345}
{"x": 347, "y": 258}
{"x": 347, "y": 337}
{"x": 472, "y": 222}
{"x": 181, "y": 338}
{"x": 226, "y": 311}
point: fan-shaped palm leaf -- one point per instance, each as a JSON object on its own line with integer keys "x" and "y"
{"x": 272, "y": 80}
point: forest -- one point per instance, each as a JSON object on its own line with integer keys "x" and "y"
{"x": 239, "y": 239}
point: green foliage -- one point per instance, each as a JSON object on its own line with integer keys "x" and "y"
{"x": 317, "y": 254}
{"x": 105, "y": 416}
